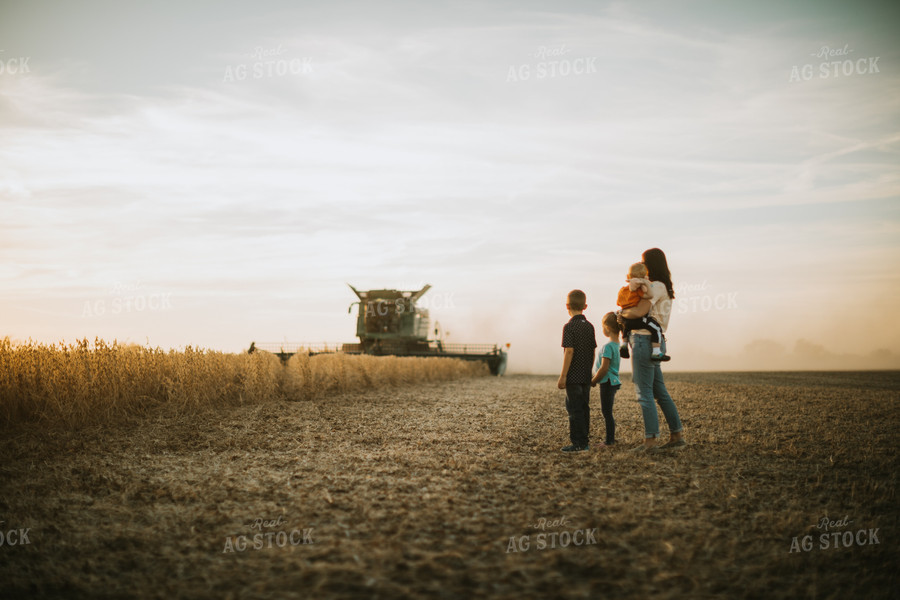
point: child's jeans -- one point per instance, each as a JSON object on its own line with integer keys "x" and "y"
{"x": 607, "y": 397}
{"x": 578, "y": 398}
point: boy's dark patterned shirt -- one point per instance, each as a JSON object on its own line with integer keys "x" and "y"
{"x": 579, "y": 334}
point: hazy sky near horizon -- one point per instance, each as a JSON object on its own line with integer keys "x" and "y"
{"x": 212, "y": 173}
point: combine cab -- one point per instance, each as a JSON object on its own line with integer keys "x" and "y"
{"x": 390, "y": 323}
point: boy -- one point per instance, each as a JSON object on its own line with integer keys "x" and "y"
{"x": 607, "y": 374}
{"x": 579, "y": 342}
{"x": 629, "y": 296}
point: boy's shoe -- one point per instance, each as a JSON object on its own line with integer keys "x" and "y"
{"x": 660, "y": 357}
{"x": 573, "y": 448}
{"x": 623, "y": 351}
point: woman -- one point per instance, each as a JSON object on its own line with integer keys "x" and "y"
{"x": 647, "y": 374}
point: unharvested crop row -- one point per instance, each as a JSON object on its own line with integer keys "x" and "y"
{"x": 84, "y": 383}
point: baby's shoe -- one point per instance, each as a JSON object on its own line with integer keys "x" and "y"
{"x": 623, "y": 351}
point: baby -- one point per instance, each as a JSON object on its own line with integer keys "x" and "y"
{"x": 638, "y": 289}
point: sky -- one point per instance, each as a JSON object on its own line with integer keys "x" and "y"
{"x": 216, "y": 173}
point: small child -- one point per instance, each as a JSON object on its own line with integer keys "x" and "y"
{"x": 607, "y": 374}
{"x": 638, "y": 289}
{"x": 579, "y": 342}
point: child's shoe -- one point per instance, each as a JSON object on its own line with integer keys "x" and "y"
{"x": 623, "y": 351}
{"x": 660, "y": 357}
{"x": 574, "y": 448}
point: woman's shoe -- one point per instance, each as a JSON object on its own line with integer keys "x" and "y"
{"x": 672, "y": 445}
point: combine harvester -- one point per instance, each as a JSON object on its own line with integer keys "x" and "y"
{"x": 390, "y": 323}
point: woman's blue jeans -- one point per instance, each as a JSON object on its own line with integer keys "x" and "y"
{"x": 649, "y": 385}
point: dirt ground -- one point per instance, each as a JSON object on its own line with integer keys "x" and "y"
{"x": 459, "y": 489}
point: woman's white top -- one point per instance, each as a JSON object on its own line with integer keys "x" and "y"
{"x": 660, "y": 305}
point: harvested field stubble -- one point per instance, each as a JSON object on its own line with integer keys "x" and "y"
{"x": 417, "y": 491}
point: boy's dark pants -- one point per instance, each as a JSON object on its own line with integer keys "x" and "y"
{"x": 607, "y": 397}
{"x": 578, "y": 398}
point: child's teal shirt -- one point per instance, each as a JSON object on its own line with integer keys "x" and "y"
{"x": 610, "y": 350}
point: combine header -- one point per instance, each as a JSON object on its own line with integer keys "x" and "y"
{"x": 390, "y": 323}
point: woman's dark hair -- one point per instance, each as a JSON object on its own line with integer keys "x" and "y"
{"x": 658, "y": 268}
